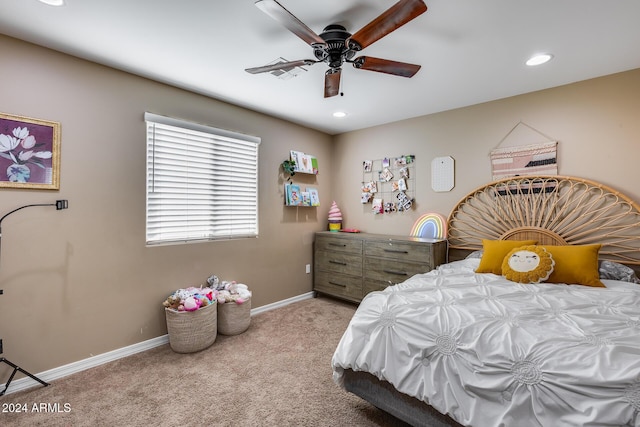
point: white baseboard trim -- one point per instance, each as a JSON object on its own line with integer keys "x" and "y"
{"x": 81, "y": 365}
{"x": 282, "y": 303}
{"x": 101, "y": 359}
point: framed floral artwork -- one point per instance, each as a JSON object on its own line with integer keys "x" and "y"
{"x": 29, "y": 153}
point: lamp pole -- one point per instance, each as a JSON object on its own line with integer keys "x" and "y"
{"x": 59, "y": 204}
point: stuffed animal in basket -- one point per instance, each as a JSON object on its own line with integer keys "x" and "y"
{"x": 241, "y": 290}
{"x": 172, "y": 302}
{"x": 192, "y": 304}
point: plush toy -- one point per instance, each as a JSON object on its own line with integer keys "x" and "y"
{"x": 211, "y": 295}
{"x": 241, "y": 290}
{"x": 213, "y": 282}
{"x": 528, "y": 264}
{"x": 224, "y": 296}
{"x": 172, "y": 302}
{"x": 182, "y": 294}
{"x": 191, "y": 304}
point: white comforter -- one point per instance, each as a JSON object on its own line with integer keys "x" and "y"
{"x": 490, "y": 352}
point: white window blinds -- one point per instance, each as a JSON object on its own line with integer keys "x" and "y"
{"x": 202, "y": 182}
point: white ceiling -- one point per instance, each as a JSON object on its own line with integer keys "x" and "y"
{"x": 471, "y": 51}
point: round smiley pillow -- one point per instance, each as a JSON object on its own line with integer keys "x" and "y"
{"x": 528, "y": 264}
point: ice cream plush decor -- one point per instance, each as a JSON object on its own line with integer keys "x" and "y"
{"x": 335, "y": 217}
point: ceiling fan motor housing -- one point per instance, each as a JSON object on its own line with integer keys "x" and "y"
{"x": 336, "y": 51}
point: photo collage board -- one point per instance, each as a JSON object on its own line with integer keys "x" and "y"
{"x": 388, "y": 184}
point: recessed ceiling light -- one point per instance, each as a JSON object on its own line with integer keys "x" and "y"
{"x": 539, "y": 59}
{"x": 339, "y": 114}
{"x": 53, "y": 2}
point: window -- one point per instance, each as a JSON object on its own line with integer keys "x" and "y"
{"x": 202, "y": 182}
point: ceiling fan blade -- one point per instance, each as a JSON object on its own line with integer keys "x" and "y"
{"x": 332, "y": 82}
{"x": 390, "y": 20}
{"x": 293, "y": 24}
{"x": 284, "y": 66}
{"x": 396, "y": 68}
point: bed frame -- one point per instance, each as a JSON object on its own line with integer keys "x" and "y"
{"x": 554, "y": 210}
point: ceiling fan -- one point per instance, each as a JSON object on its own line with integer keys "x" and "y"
{"x": 335, "y": 45}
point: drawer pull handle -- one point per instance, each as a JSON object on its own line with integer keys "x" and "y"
{"x": 398, "y": 273}
{"x": 337, "y": 284}
{"x": 342, "y": 245}
{"x": 396, "y": 251}
{"x": 337, "y": 262}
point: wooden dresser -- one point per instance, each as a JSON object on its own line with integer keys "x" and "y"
{"x": 350, "y": 265}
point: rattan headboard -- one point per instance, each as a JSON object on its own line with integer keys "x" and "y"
{"x": 554, "y": 210}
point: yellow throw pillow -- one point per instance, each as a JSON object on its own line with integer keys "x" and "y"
{"x": 528, "y": 264}
{"x": 494, "y": 251}
{"x": 575, "y": 264}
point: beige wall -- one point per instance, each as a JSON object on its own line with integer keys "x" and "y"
{"x": 596, "y": 124}
{"x": 80, "y": 282}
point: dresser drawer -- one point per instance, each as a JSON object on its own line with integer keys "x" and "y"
{"x": 370, "y": 285}
{"x": 336, "y": 244}
{"x": 340, "y": 285}
{"x": 338, "y": 262}
{"x": 399, "y": 250}
{"x": 392, "y": 271}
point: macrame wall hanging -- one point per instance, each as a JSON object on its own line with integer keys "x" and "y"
{"x": 508, "y": 160}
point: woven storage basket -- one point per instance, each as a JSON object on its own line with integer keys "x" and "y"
{"x": 191, "y": 331}
{"x": 234, "y": 319}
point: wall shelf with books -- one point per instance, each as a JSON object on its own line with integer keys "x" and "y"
{"x": 304, "y": 163}
{"x": 296, "y": 193}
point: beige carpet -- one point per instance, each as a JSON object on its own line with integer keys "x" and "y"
{"x": 277, "y": 373}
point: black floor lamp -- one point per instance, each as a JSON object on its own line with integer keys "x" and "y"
{"x": 59, "y": 204}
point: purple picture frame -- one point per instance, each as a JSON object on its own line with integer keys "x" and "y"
{"x": 29, "y": 153}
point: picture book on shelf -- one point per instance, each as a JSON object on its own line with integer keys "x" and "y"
{"x": 293, "y": 196}
{"x": 314, "y": 197}
{"x": 306, "y": 199}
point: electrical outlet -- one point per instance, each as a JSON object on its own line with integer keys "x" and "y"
{"x": 308, "y": 268}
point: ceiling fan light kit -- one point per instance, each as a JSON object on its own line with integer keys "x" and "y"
{"x": 335, "y": 45}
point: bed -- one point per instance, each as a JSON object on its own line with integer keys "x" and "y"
{"x": 456, "y": 347}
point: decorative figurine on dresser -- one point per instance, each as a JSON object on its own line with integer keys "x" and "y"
{"x": 350, "y": 265}
{"x": 335, "y": 217}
